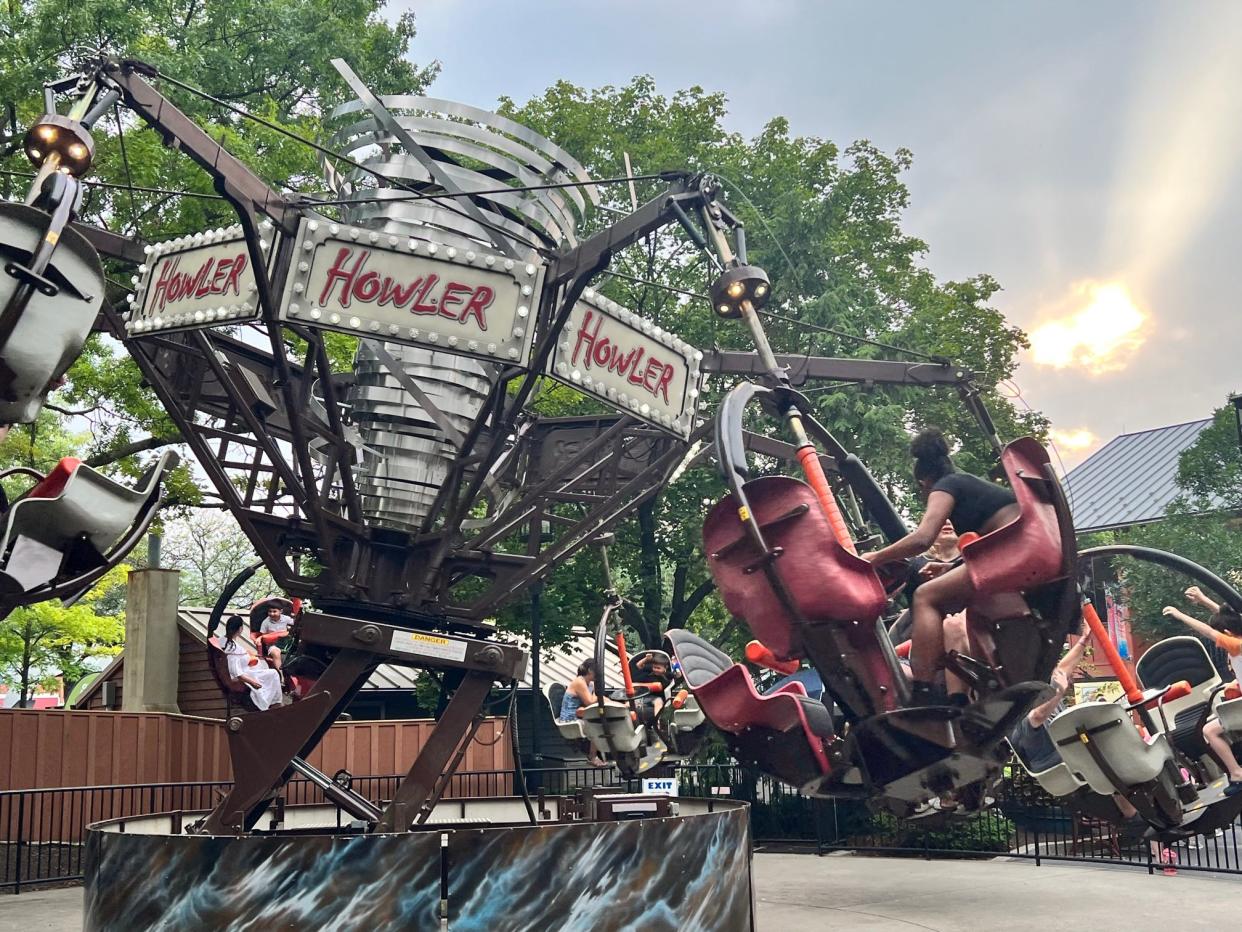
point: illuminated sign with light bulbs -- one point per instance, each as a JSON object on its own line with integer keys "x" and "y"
{"x": 384, "y": 286}
{"x": 203, "y": 280}
{"x": 626, "y": 361}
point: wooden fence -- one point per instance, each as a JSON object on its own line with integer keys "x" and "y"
{"x": 43, "y": 749}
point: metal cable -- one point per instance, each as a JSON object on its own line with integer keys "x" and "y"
{"x": 120, "y": 187}
{"x": 129, "y": 178}
{"x": 324, "y": 150}
{"x": 517, "y": 189}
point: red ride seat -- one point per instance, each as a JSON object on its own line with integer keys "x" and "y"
{"x": 54, "y": 482}
{"x": 1028, "y": 551}
{"x": 727, "y": 696}
{"x": 825, "y": 581}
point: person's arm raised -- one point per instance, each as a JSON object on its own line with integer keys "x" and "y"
{"x": 1194, "y": 624}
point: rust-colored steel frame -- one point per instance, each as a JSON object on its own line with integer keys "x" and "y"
{"x": 263, "y": 745}
{"x": 246, "y": 414}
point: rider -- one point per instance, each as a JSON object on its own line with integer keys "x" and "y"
{"x": 277, "y": 624}
{"x": 247, "y": 667}
{"x": 1033, "y": 746}
{"x": 973, "y": 505}
{"x": 651, "y": 667}
{"x": 1225, "y": 631}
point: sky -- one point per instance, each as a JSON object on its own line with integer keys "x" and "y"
{"x": 1086, "y": 155}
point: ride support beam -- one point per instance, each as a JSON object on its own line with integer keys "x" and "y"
{"x": 262, "y": 745}
{"x": 434, "y": 766}
{"x": 801, "y": 369}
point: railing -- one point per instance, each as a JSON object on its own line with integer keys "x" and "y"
{"x": 42, "y": 831}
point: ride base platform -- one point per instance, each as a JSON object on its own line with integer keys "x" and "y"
{"x": 646, "y": 862}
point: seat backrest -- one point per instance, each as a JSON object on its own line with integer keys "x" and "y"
{"x": 700, "y": 661}
{"x": 220, "y": 670}
{"x": 54, "y": 482}
{"x": 556, "y": 698}
{"x": 48, "y": 333}
{"x": 1030, "y": 550}
{"x": 1173, "y": 659}
{"x": 1177, "y": 658}
{"x": 1110, "y": 730}
{"x": 825, "y": 582}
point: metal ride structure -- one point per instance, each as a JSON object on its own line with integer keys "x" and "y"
{"x": 414, "y": 493}
{"x": 408, "y": 497}
{"x": 1148, "y": 746}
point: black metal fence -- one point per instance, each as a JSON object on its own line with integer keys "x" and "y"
{"x": 42, "y": 831}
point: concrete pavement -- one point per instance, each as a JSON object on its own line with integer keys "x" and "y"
{"x": 799, "y": 892}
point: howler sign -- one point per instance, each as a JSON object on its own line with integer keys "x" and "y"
{"x": 626, "y": 361}
{"x": 405, "y": 290}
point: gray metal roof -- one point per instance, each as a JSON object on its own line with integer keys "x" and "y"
{"x": 1130, "y": 480}
{"x": 556, "y": 666}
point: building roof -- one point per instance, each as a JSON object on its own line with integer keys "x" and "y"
{"x": 1130, "y": 480}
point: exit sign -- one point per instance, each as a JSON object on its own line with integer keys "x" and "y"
{"x": 659, "y": 786}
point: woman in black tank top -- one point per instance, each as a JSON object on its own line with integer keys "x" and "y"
{"x": 972, "y": 504}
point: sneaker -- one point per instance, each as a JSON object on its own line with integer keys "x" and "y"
{"x": 1168, "y": 857}
{"x": 1234, "y": 788}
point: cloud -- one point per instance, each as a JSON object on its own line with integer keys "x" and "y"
{"x": 1101, "y": 335}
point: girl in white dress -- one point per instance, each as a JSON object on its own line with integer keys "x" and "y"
{"x": 246, "y": 666}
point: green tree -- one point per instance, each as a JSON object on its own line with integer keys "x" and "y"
{"x": 210, "y": 550}
{"x": 826, "y": 224}
{"x": 42, "y": 641}
{"x": 1202, "y": 525}
{"x": 269, "y": 58}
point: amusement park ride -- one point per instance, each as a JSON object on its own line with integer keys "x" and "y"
{"x": 410, "y": 496}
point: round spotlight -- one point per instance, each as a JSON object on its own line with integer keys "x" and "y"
{"x": 66, "y": 139}
{"x": 737, "y": 285}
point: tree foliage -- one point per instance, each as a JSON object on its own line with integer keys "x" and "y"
{"x": 1202, "y": 525}
{"x": 270, "y": 58}
{"x": 210, "y": 550}
{"x": 826, "y": 224}
{"x": 42, "y": 641}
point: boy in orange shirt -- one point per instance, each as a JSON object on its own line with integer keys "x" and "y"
{"x": 1225, "y": 631}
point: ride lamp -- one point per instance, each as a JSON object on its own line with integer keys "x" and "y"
{"x": 66, "y": 142}
{"x": 737, "y": 286}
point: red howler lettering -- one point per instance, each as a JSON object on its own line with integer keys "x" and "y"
{"x": 214, "y": 276}
{"x": 653, "y": 377}
{"x": 348, "y": 281}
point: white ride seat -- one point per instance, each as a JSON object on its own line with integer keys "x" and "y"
{"x": 1058, "y": 780}
{"x": 49, "y": 334}
{"x": 1230, "y": 715}
{"x": 74, "y": 503}
{"x": 611, "y": 729}
{"x": 1108, "y": 727}
{"x": 1172, "y": 660}
{"x": 572, "y": 730}
{"x": 689, "y": 716}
